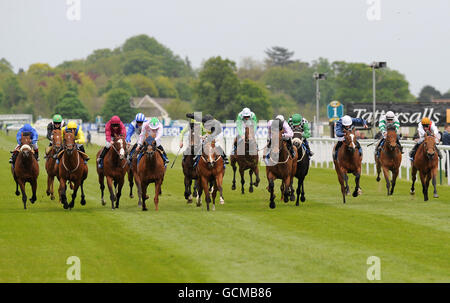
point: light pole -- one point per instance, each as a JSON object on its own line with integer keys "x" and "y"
{"x": 375, "y": 65}
{"x": 318, "y": 77}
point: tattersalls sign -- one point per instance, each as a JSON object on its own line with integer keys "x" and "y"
{"x": 409, "y": 114}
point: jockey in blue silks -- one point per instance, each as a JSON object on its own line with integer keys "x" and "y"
{"x": 345, "y": 123}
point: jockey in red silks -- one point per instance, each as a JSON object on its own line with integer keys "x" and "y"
{"x": 113, "y": 128}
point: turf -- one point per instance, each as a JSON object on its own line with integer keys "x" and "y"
{"x": 321, "y": 240}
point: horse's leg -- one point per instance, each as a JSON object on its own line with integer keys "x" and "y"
{"x": 199, "y": 191}
{"x": 433, "y": 175}
{"x": 144, "y": 194}
{"x": 157, "y": 191}
{"x": 62, "y": 192}
{"x": 205, "y": 188}
{"x": 394, "y": 179}
{"x": 101, "y": 180}
{"x": 52, "y": 188}
{"x": 241, "y": 172}
{"x": 74, "y": 194}
{"x": 271, "y": 189}
{"x": 49, "y": 182}
{"x": 256, "y": 170}
{"x": 291, "y": 189}
{"x": 298, "y": 191}
{"x": 130, "y": 182}
{"x": 340, "y": 174}
{"x": 386, "y": 177}
{"x": 423, "y": 179}
{"x": 24, "y": 194}
{"x": 119, "y": 191}
{"x": 251, "y": 180}
{"x": 112, "y": 197}
{"x": 347, "y": 188}
{"x": 233, "y": 165}
{"x": 377, "y": 163}
{"x": 83, "y": 198}
{"x": 287, "y": 184}
{"x": 187, "y": 189}
{"x": 33, "y": 188}
{"x": 214, "y": 193}
{"x": 413, "y": 175}
{"x": 302, "y": 198}
{"x": 219, "y": 182}
{"x": 194, "y": 194}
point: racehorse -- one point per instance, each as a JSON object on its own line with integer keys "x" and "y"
{"x": 389, "y": 159}
{"x": 426, "y": 162}
{"x": 210, "y": 169}
{"x": 284, "y": 168}
{"x": 114, "y": 169}
{"x": 348, "y": 161}
{"x": 302, "y": 166}
{"x": 25, "y": 169}
{"x": 247, "y": 159}
{"x": 73, "y": 169}
{"x": 150, "y": 169}
{"x": 190, "y": 174}
{"x": 51, "y": 163}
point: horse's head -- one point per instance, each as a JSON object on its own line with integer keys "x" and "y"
{"x": 150, "y": 148}
{"x": 209, "y": 154}
{"x": 350, "y": 139}
{"x": 26, "y": 138}
{"x": 119, "y": 146}
{"x": 69, "y": 142}
{"x": 391, "y": 137}
{"x": 56, "y": 139}
{"x": 429, "y": 145}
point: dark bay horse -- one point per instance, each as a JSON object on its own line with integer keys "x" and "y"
{"x": 190, "y": 174}
{"x": 114, "y": 169}
{"x": 390, "y": 159}
{"x": 246, "y": 156}
{"x": 426, "y": 162}
{"x": 302, "y": 166}
{"x": 348, "y": 161}
{"x": 210, "y": 170}
{"x": 150, "y": 169}
{"x": 73, "y": 169}
{"x": 50, "y": 164}
{"x": 280, "y": 165}
{"x": 25, "y": 169}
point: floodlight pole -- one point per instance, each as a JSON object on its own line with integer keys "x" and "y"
{"x": 318, "y": 77}
{"x": 375, "y": 65}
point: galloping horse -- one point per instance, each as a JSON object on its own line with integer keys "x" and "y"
{"x": 284, "y": 168}
{"x": 348, "y": 161}
{"x": 426, "y": 162}
{"x": 25, "y": 169}
{"x": 51, "y": 164}
{"x": 73, "y": 169}
{"x": 114, "y": 169}
{"x": 190, "y": 173}
{"x": 210, "y": 169}
{"x": 247, "y": 158}
{"x": 302, "y": 166}
{"x": 150, "y": 170}
{"x": 390, "y": 159}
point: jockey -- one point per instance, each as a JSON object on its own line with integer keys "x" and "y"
{"x": 287, "y": 134}
{"x": 57, "y": 123}
{"x": 389, "y": 118}
{"x": 79, "y": 136}
{"x": 425, "y": 126}
{"x": 152, "y": 128}
{"x": 135, "y": 126}
{"x": 210, "y": 125}
{"x": 27, "y": 128}
{"x": 192, "y": 127}
{"x": 298, "y": 123}
{"x": 113, "y": 128}
{"x": 245, "y": 115}
{"x": 346, "y": 123}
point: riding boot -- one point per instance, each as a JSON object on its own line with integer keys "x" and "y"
{"x": 399, "y": 146}
{"x": 81, "y": 147}
{"x": 101, "y": 157}
{"x": 336, "y": 149}
{"x": 412, "y": 153}
{"x": 165, "y": 158}
{"x": 268, "y": 148}
{"x": 358, "y": 146}
{"x": 290, "y": 147}
{"x": 308, "y": 149}
{"x": 130, "y": 156}
{"x": 13, "y": 157}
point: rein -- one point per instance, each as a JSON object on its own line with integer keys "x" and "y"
{"x": 71, "y": 171}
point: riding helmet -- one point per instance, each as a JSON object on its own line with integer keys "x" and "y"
{"x": 426, "y": 121}
{"x": 347, "y": 120}
{"x": 297, "y": 119}
{"x": 57, "y": 118}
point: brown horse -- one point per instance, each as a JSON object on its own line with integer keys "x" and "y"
{"x": 390, "y": 159}
{"x": 190, "y": 174}
{"x": 280, "y": 165}
{"x": 73, "y": 169}
{"x": 150, "y": 169}
{"x": 348, "y": 161}
{"x": 247, "y": 157}
{"x": 210, "y": 170}
{"x": 25, "y": 169}
{"x": 114, "y": 169}
{"x": 426, "y": 162}
{"x": 50, "y": 164}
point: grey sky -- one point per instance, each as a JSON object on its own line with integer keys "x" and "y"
{"x": 413, "y": 36}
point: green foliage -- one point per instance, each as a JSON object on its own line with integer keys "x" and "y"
{"x": 177, "y": 109}
{"x": 184, "y": 87}
{"x": 143, "y": 85}
{"x": 70, "y": 107}
{"x": 5, "y": 67}
{"x": 13, "y": 91}
{"x": 39, "y": 69}
{"x": 118, "y": 103}
{"x": 166, "y": 89}
{"x": 255, "y": 97}
{"x": 427, "y": 93}
{"x": 278, "y": 56}
{"x": 282, "y": 104}
{"x": 139, "y": 61}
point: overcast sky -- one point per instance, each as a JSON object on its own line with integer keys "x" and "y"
{"x": 413, "y": 36}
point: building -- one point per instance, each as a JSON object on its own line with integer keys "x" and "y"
{"x": 151, "y": 107}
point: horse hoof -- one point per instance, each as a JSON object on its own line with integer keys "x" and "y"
{"x": 233, "y": 187}
{"x": 412, "y": 192}
{"x": 250, "y": 190}
{"x": 436, "y": 195}
{"x": 131, "y": 196}
{"x": 52, "y": 198}
{"x": 297, "y": 204}
{"x": 83, "y": 202}
{"x": 103, "y": 203}
{"x": 139, "y": 203}
{"x": 359, "y": 191}
{"x": 66, "y": 206}
{"x": 213, "y": 208}
{"x": 222, "y": 201}
{"x": 17, "y": 193}
{"x": 378, "y": 179}
{"x": 48, "y": 193}
{"x": 303, "y": 199}
{"x": 144, "y": 209}
{"x": 199, "y": 204}
{"x": 32, "y": 201}
{"x": 272, "y": 205}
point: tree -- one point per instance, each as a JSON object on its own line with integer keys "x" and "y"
{"x": 70, "y": 107}
{"x": 177, "y": 109}
{"x": 143, "y": 85}
{"x": 353, "y": 82}
{"x": 255, "y": 97}
{"x": 218, "y": 88}
{"x": 446, "y": 95}
{"x": 166, "y": 88}
{"x": 118, "y": 103}
{"x": 5, "y": 67}
{"x": 428, "y": 93}
{"x": 283, "y": 104}
{"x": 40, "y": 69}
{"x": 13, "y": 91}
{"x": 278, "y": 56}
{"x": 138, "y": 61}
